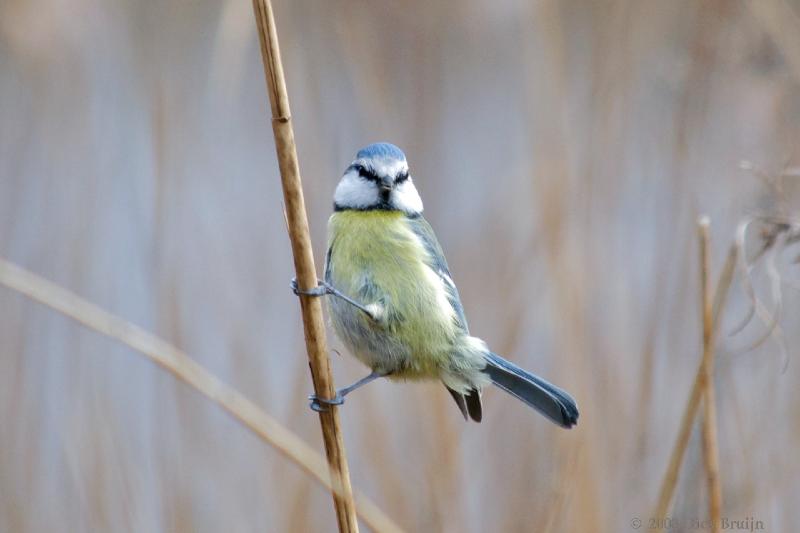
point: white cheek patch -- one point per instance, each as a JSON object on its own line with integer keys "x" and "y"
{"x": 406, "y": 198}
{"x": 355, "y": 192}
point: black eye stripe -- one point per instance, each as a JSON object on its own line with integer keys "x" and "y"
{"x": 366, "y": 173}
{"x": 370, "y": 175}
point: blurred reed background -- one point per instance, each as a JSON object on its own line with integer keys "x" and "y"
{"x": 563, "y": 151}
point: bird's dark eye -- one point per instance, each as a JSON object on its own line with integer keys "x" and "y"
{"x": 401, "y": 177}
{"x": 367, "y": 174}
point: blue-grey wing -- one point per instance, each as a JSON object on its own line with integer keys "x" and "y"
{"x": 438, "y": 263}
{"x": 326, "y": 273}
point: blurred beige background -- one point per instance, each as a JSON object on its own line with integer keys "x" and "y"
{"x": 563, "y": 151}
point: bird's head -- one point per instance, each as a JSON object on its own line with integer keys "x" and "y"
{"x": 378, "y": 179}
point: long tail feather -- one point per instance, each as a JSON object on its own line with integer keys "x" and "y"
{"x": 545, "y": 397}
{"x": 469, "y": 404}
{"x": 460, "y": 402}
{"x": 474, "y": 405}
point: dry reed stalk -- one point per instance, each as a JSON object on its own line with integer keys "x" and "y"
{"x": 316, "y": 344}
{"x": 710, "y": 446}
{"x": 190, "y": 372}
{"x": 687, "y": 420}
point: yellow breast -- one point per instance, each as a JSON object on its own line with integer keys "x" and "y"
{"x": 375, "y": 255}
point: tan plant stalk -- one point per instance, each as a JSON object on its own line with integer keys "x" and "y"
{"x": 690, "y": 412}
{"x": 189, "y": 371}
{"x": 297, "y": 222}
{"x": 710, "y": 447}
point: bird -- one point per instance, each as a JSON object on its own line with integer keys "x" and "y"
{"x": 392, "y": 300}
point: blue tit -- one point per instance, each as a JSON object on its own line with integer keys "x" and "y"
{"x": 392, "y": 300}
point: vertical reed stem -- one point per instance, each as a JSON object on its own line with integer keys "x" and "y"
{"x": 687, "y": 421}
{"x": 297, "y": 222}
{"x": 710, "y": 447}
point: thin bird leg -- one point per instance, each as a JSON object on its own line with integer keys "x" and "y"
{"x": 324, "y": 288}
{"x": 319, "y": 404}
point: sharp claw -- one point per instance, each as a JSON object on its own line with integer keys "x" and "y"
{"x": 321, "y": 405}
{"x": 316, "y": 406}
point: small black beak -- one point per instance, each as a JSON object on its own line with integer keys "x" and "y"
{"x": 386, "y": 190}
{"x": 386, "y": 184}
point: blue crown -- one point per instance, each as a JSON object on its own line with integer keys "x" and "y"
{"x": 381, "y": 150}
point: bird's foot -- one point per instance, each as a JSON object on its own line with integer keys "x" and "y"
{"x": 321, "y": 289}
{"x": 321, "y": 405}
{"x": 373, "y": 311}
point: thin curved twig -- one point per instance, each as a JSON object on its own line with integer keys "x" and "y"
{"x": 770, "y": 319}
{"x": 746, "y": 267}
{"x": 186, "y": 369}
{"x": 774, "y": 240}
